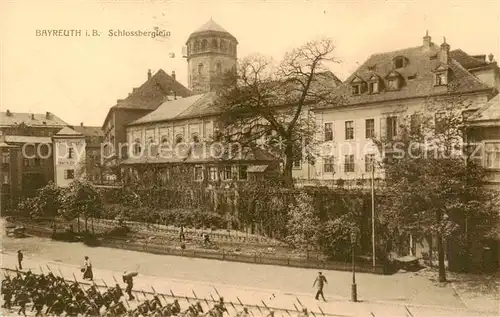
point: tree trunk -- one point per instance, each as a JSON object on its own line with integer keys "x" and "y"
{"x": 78, "y": 223}
{"x": 440, "y": 247}
{"x": 54, "y": 225}
{"x": 288, "y": 168}
{"x": 86, "y": 221}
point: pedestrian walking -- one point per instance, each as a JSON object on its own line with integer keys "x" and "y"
{"x": 320, "y": 283}
{"x": 87, "y": 269}
{"x": 20, "y": 259}
{"x": 128, "y": 278}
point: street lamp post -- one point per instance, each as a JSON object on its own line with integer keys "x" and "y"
{"x": 373, "y": 213}
{"x": 354, "y": 290}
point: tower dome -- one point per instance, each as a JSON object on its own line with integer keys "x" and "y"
{"x": 211, "y": 51}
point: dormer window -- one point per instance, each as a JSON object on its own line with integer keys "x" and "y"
{"x": 392, "y": 84}
{"x": 400, "y": 62}
{"x": 441, "y": 79}
{"x": 374, "y": 85}
{"x": 393, "y": 81}
{"x": 356, "y": 89}
{"x": 441, "y": 76}
{"x": 357, "y": 84}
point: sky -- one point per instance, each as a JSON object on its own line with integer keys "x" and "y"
{"x": 80, "y": 78}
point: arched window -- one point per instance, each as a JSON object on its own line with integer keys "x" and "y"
{"x": 223, "y": 45}
{"x": 164, "y": 139}
{"x": 179, "y": 139}
{"x": 200, "y": 68}
{"x": 137, "y": 146}
{"x": 195, "y": 138}
{"x": 196, "y": 46}
{"x": 218, "y": 68}
{"x": 204, "y": 45}
{"x": 214, "y": 44}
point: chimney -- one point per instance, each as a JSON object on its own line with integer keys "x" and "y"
{"x": 427, "y": 40}
{"x": 81, "y": 124}
{"x": 32, "y": 116}
{"x": 149, "y": 74}
{"x": 173, "y": 75}
{"x": 48, "y": 115}
{"x": 8, "y": 113}
{"x": 444, "y": 53}
{"x": 490, "y": 57}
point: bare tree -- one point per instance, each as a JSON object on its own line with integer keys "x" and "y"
{"x": 266, "y": 105}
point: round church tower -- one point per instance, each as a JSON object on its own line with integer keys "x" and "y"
{"x": 211, "y": 51}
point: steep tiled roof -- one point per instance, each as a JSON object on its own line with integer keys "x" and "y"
{"x": 489, "y": 112}
{"x": 208, "y": 27}
{"x": 466, "y": 60}
{"x": 27, "y": 139}
{"x": 88, "y": 131}
{"x": 174, "y": 109}
{"x": 417, "y": 76}
{"x": 49, "y": 120}
{"x": 202, "y": 153}
{"x": 67, "y": 131}
{"x": 152, "y": 93}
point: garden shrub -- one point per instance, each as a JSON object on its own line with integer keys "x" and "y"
{"x": 90, "y": 239}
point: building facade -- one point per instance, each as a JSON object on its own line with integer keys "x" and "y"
{"x": 94, "y": 165}
{"x": 31, "y": 134}
{"x": 383, "y": 93}
{"x": 211, "y": 52}
{"x": 69, "y": 156}
{"x": 140, "y": 102}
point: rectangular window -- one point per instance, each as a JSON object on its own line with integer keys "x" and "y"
{"x": 492, "y": 155}
{"x": 369, "y": 162}
{"x": 297, "y": 163}
{"x": 356, "y": 89}
{"x": 328, "y": 131}
{"x": 415, "y": 124}
{"x": 329, "y": 164}
{"x": 5, "y": 158}
{"x": 243, "y": 172}
{"x": 392, "y": 127}
{"x": 349, "y": 163}
{"x": 441, "y": 79}
{"x": 70, "y": 152}
{"x": 373, "y": 87}
{"x": 349, "y": 130}
{"x": 228, "y": 175}
{"x": 212, "y": 173}
{"x": 370, "y": 128}
{"x": 69, "y": 174}
{"x": 440, "y": 122}
{"x": 392, "y": 84}
{"x": 37, "y": 161}
{"x": 5, "y": 178}
{"x": 198, "y": 173}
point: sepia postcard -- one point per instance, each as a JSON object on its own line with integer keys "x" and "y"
{"x": 250, "y": 158}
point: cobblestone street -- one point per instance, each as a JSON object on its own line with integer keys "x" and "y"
{"x": 254, "y": 282}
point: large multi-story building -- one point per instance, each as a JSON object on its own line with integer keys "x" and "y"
{"x": 140, "y": 102}
{"x": 386, "y": 89}
{"x": 32, "y": 134}
{"x": 94, "y": 139}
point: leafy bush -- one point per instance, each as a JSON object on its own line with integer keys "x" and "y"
{"x": 90, "y": 240}
{"x": 66, "y": 236}
{"x": 117, "y": 231}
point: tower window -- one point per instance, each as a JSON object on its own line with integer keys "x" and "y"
{"x": 196, "y": 46}
{"x": 223, "y": 45}
{"x": 214, "y": 44}
{"x": 204, "y": 45}
{"x": 218, "y": 68}
{"x": 200, "y": 68}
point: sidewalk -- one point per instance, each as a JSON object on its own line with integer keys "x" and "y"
{"x": 275, "y": 299}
